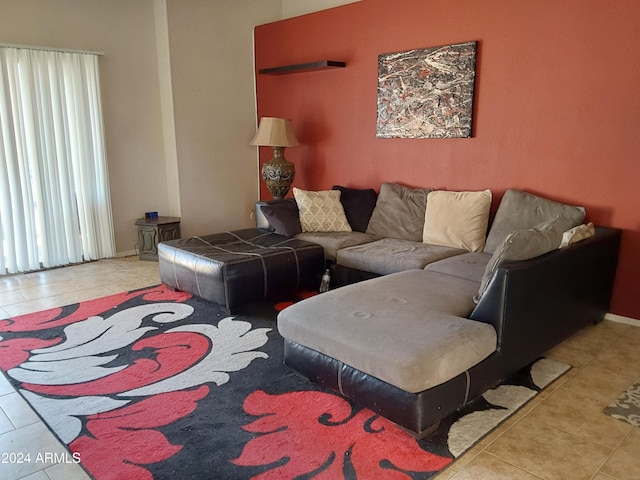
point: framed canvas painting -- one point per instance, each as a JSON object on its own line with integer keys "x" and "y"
{"x": 427, "y": 92}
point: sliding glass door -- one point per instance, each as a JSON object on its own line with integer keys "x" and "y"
{"x": 55, "y": 206}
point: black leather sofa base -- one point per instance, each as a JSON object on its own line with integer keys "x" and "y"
{"x": 242, "y": 266}
{"x": 416, "y": 413}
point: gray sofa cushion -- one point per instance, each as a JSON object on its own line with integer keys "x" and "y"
{"x": 523, "y": 245}
{"x": 399, "y": 212}
{"x": 520, "y": 210}
{"x": 391, "y": 255}
{"x": 333, "y": 241}
{"x": 470, "y": 266}
{"x": 407, "y": 329}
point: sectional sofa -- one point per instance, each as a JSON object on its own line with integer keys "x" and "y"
{"x": 431, "y": 302}
{"x": 447, "y": 311}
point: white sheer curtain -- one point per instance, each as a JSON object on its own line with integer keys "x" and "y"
{"x": 55, "y": 207}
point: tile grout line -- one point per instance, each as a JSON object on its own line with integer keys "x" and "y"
{"x": 613, "y": 451}
{"x": 514, "y": 465}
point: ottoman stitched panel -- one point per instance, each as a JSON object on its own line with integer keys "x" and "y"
{"x": 232, "y": 268}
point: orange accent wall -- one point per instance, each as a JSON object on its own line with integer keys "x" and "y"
{"x": 556, "y": 109}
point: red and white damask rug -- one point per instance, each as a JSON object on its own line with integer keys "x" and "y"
{"x": 154, "y": 384}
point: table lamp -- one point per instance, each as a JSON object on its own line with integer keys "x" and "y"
{"x": 278, "y": 173}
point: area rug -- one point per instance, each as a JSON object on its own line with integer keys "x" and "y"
{"x": 627, "y": 406}
{"x": 154, "y": 384}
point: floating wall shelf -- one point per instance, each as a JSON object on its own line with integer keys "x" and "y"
{"x": 302, "y": 67}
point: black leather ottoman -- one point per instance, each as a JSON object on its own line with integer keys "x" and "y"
{"x": 232, "y": 268}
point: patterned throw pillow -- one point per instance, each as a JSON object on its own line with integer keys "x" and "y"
{"x": 321, "y": 211}
{"x": 577, "y": 234}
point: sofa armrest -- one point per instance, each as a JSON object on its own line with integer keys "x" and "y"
{"x": 536, "y": 304}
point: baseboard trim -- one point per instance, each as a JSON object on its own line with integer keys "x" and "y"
{"x": 620, "y": 319}
{"x": 127, "y": 253}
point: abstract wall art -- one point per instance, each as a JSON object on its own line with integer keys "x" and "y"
{"x": 427, "y": 92}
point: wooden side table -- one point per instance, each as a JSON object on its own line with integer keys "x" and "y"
{"x": 152, "y": 231}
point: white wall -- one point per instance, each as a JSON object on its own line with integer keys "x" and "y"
{"x": 212, "y": 75}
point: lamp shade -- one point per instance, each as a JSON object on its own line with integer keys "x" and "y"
{"x": 275, "y": 132}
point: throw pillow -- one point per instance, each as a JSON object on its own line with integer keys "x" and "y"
{"x": 358, "y": 206}
{"x": 284, "y": 217}
{"x": 399, "y": 212}
{"x": 321, "y": 211}
{"x": 520, "y": 210}
{"x": 457, "y": 219}
{"x": 522, "y": 245}
{"x": 577, "y": 234}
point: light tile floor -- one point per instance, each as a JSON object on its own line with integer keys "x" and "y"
{"x": 22, "y": 432}
{"x": 561, "y": 434}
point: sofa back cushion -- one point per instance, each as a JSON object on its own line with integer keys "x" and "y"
{"x": 523, "y": 245}
{"x": 457, "y": 219}
{"x": 399, "y": 212}
{"x": 520, "y": 210}
{"x": 358, "y": 206}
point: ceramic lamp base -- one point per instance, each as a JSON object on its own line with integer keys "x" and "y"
{"x": 278, "y": 174}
